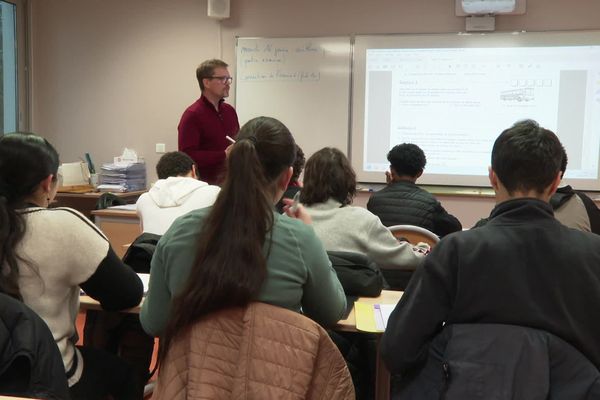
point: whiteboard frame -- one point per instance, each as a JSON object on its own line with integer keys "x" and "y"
{"x": 568, "y": 37}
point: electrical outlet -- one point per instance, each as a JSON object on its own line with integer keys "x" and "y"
{"x": 160, "y": 148}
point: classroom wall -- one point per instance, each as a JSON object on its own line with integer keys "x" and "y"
{"x": 111, "y": 73}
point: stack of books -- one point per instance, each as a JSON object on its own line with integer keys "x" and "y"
{"x": 122, "y": 177}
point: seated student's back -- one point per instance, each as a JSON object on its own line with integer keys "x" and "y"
{"x": 329, "y": 188}
{"x": 51, "y": 254}
{"x": 403, "y": 202}
{"x": 521, "y": 268}
{"x": 574, "y": 208}
{"x": 240, "y": 249}
{"x": 177, "y": 192}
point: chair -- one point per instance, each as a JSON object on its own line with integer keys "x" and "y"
{"x": 30, "y": 362}
{"x": 414, "y": 234}
{"x": 485, "y": 361}
{"x": 256, "y": 352}
{"x": 398, "y": 279}
{"x": 121, "y": 333}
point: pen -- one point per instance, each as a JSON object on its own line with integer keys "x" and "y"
{"x": 90, "y": 163}
{"x": 230, "y": 138}
{"x": 296, "y": 200}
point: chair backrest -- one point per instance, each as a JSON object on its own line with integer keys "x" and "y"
{"x": 257, "y": 352}
{"x": 414, "y": 234}
{"x": 30, "y": 362}
{"x": 500, "y": 361}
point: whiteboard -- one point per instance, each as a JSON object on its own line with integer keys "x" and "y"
{"x": 303, "y": 82}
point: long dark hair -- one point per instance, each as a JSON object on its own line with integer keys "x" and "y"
{"x": 25, "y": 160}
{"x": 328, "y": 174}
{"x": 230, "y": 265}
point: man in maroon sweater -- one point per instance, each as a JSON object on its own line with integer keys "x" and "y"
{"x": 205, "y": 124}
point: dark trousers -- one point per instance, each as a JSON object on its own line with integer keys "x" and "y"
{"x": 105, "y": 376}
{"x": 359, "y": 349}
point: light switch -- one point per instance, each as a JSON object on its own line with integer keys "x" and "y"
{"x": 160, "y": 147}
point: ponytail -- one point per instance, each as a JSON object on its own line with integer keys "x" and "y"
{"x": 12, "y": 230}
{"x": 230, "y": 266}
{"x": 25, "y": 160}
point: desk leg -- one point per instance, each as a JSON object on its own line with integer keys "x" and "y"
{"x": 382, "y": 376}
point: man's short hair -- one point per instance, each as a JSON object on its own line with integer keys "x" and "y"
{"x": 407, "y": 159}
{"x": 527, "y": 157}
{"x": 174, "y": 163}
{"x": 207, "y": 69}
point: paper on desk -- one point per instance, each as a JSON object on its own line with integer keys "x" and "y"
{"x": 382, "y": 314}
{"x": 145, "y": 280}
{"x": 128, "y": 207}
{"x": 372, "y": 317}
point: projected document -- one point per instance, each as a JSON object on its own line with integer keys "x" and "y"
{"x": 454, "y": 102}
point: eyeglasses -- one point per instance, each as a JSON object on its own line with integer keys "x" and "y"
{"x": 223, "y": 79}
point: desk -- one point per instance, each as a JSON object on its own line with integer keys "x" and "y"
{"x": 87, "y": 303}
{"x": 382, "y": 376}
{"x": 86, "y": 202}
{"x": 121, "y": 227}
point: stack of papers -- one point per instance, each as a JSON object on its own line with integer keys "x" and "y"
{"x": 372, "y": 317}
{"x": 123, "y": 177}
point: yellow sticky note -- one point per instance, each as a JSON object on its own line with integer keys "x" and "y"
{"x": 365, "y": 317}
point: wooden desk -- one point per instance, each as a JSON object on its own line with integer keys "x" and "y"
{"x": 121, "y": 227}
{"x": 87, "y": 303}
{"x": 382, "y": 375}
{"x": 86, "y": 202}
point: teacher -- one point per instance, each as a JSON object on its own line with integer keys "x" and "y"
{"x": 205, "y": 124}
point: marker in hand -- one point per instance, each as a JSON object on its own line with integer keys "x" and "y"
{"x": 232, "y": 140}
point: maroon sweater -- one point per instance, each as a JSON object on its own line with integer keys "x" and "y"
{"x": 202, "y": 132}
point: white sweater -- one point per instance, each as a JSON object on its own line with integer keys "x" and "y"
{"x": 355, "y": 229}
{"x": 171, "y": 198}
{"x": 65, "y": 248}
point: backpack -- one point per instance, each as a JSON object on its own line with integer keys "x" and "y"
{"x": 358, "y": 275}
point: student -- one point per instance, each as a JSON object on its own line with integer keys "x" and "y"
{"x": 177, "y": 192}
{"x": 49, "y": 255}
{"x": 573, "y": 208}
{"x": 328, "y": 191}
{"x": 522, "y": 268}
{"x": 241, "y": 250}
{"x": 403, "y": 202}
{"x": 295, "y": 185}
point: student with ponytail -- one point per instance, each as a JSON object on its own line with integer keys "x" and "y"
{"x": 48, "y": 255}
{"x": 240, "y": 250}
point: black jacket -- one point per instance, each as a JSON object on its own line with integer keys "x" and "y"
{"x": 522, "y": 268}
{"x": 405, "y": 203}
{"x": 494, "y": 361}
{"x": 30, "y": 362}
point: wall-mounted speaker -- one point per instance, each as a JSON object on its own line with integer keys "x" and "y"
{"x": 218, "y": 9}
